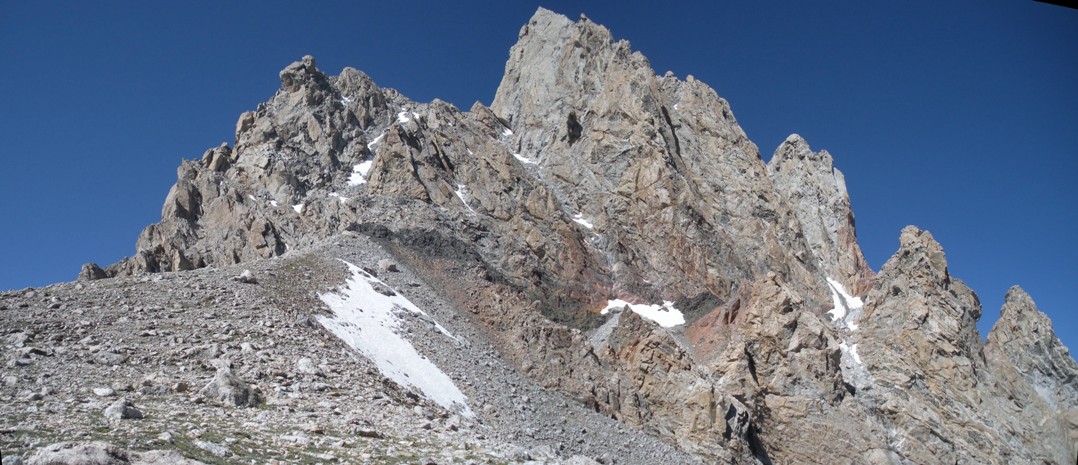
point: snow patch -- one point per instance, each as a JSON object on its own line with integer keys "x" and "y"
{"x": 273, "y": 203}
{"x": 253, "y": 199}
{"x": 405, "y": 116}
{"x": 345, "y": 100}
{"x": 339, "y": 197}
{"x": 366, "y": 316}
{"x": 462, "y": 194}
{"x": 579, "y": 218}
{"x": 298, "y": 207}
{"x": 846, "y": 307}
{"x": 665, "y": 315}
{"x": 359, "y": 173}
{"x": 507, "y": 132}
{"x": 371, "y": 144}
{"x": 851, "y": 350}
{"x": 526, "y": 161}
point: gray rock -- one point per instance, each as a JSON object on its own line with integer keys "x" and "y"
{"x": 122, "y": 409}
{"x": 816, "y": 191}
{"x": 247, "y": 277}
{"x": 213, "y": 448}
{"x": 76, "y": 453}
{"x": 104, "y": 392}
{"x": 306, "y": 366}
{"x": 110, "y": 358}
{"x": 387, "y": 265}
{"x": 102, "y": 453}
{"x": 230, "y": 390}
{"x": 91, "y": 271}
{"x": 164, "y": 457}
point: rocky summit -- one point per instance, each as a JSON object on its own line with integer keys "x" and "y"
{"x": 599, "y": 267}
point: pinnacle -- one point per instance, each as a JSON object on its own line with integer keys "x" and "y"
{"x": 1018, "y": 304}
{"x": 796, "y": 147}
{"x": 1017, "y": 294}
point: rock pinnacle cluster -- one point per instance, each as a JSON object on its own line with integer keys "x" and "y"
{"x": 598, "y": 267}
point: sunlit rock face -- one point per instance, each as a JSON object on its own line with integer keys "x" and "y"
{"x": 622, "y": 243}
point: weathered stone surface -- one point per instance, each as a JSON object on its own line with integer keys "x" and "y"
{"x": 74, "y": 453}
{"x": 623, "y": 147}
{"x": 123, "y": 409}
{"x": 816, "y": 191}
{"x": 930, "y": 380}
{"x": 101, "y": 453}
{"x": 230, "y": 390}
{"x": 591, "y": 178}
{"x": 1025, "y": 336}
{"x": 91, "y": 271}
{"x": 1022, "y": 346}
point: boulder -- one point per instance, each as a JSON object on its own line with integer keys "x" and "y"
{"x": 230, "y": 390}
{"x": 91, "y": 271}
{"x": 101, "y": 453}
{"x": 122, "y": 409}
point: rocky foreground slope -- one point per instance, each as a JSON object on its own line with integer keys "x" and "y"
{"x": 599, "y": 267}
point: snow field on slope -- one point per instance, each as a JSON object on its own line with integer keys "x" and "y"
{"x": 665, "y": 315}
{"x": 366, "y": 319}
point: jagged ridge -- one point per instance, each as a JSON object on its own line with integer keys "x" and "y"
{"x": 591, "y": 178}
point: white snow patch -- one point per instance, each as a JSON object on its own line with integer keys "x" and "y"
{"x": 273, "y": 203}
{"x": 345, "y": 100}
{"x": 579, "y": 218}
{"x": 665, "y": 315}
{"x": 526, "y": 161}
{"x": 405, "y": 116}
{"x": 339, "y": 197}
{"x": 371, "y": 144}
{"x": 507, "y": 132}
{"x": 359, "y": 173}
{"x": 298, "y": 207}
{"x": 462, "y": 194}
{"x": 367, "y": 319}
{"x": 851, "y": 350}
{"x": 846, "y": 307}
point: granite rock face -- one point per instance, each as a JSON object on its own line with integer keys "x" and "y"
{"x": 591, "y": 178}
{"x": 809, "y": 182}
{"x": 1022, "y": 346}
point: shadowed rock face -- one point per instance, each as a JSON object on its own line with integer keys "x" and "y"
{"x": 591, "y": 178}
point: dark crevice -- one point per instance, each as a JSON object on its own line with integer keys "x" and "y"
{"x": 573, "y": 127}
{"x": 756, "y": 446}
{"x": 673, "y": 131}
{"x": 752, "y": 366}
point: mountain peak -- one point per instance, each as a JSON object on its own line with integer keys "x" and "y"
{"x": 816, "y": 190}
{"x": 589, "y": 181}
{"x": 1025, "y": 335}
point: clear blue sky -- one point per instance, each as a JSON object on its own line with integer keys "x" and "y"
{"x": 959, "y": 117}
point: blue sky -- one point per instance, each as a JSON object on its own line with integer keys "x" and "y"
{"x": 958, "y": 117}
